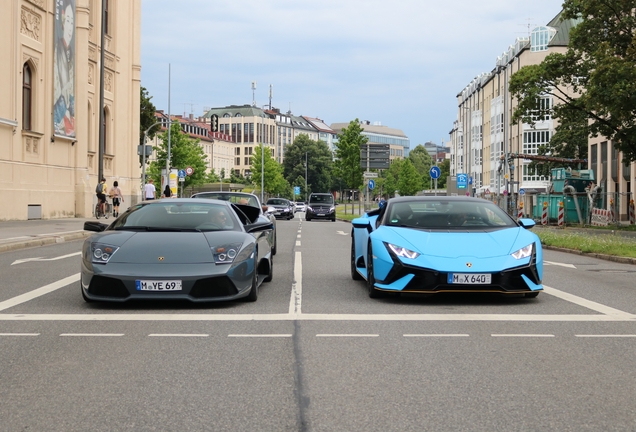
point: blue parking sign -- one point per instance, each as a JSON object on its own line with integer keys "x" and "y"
{"x": 296, "y": 190}
{"x": 462, "y": 181}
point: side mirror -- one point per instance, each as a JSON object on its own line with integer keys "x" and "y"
{"x": 94, "y": 226}
{"x": 527, "y": 223}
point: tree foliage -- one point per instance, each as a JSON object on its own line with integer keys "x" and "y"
{"x": 275, "y": 183}
{"x": 409, "y": 182}
{"x": 184, "y": 152}
{"x": 319, "y": 165}
{"x": 593, "y": 84}
{"x": 347, "y": 154}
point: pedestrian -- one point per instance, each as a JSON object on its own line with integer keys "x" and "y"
{"x": 117, "y": 197}
{"x": 167, "y": 192}
{"x": 150, "y": 192}
{"x": 100, "y": 191}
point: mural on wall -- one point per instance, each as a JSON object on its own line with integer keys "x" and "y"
{"x": 64, "y": 69}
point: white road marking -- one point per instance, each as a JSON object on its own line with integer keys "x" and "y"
{"x": 522, "y": 335}
{"x": 297, "y": 242}
{"x": 20, "y": 261}
{"x": 607, "y": 336}
{"x": 318, "y": 317}
{"x": 436, "y": 335}
{"x": 347, "y": 335}
{"x": 341, "y": 233}
{"x": 298, "y": 236}
{"x": 589, "y": 304}
{"x": 295, "y": 302}
{"x": 259, "y": 335}
{"x": 19, "y": 334}
{"x": 39, "y": 292}
{"x": 92, "y": 334}
{"x": 177, "y": 335}
{"x": 559, "y": 264}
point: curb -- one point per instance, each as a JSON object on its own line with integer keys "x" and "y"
{"x": 614, "y": 258}
{"x": 43, "y": 241}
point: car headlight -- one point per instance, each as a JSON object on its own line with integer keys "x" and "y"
{"x": 225, "y": 254}
{"x": 524, "y": 252}
{"x": 101, "y": 253}
{"x": 401, "y": 251}
{"x": 309, "y": 208}
{"x": 332, "y": 208}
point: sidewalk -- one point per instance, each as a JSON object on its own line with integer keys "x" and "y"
{"x": 30, "y": 233}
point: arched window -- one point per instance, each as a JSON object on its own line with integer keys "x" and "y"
{"x": 27, "y": 98}
{"x": 540, "y": 38}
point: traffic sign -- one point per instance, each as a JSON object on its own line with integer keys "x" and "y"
{"x": 522, "y": 191}
{"x": 369, "y": 174}
{"x": 462, "y": 181}
{"x": 371, "y": 184}
{"x": 296, "y": 190}
{"x": 181, "y": 173}
{"x": 189, "y": 171}
{"x": 435, "y": 172}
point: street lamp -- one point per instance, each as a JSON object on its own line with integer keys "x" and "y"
{"x": 143, "y": 166}
{"x": 306, "y": 199}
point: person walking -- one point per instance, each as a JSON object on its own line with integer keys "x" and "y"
{"x": 100, "y": 191}
{"x": 150, "y": 192}
{"x": 167, "y": 192}
{"x": 117, "y": 197}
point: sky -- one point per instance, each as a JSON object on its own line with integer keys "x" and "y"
{"x": 398, "y": 63}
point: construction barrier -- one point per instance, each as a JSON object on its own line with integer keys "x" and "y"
{"x": 600, "y": 217}
{"x": 561, "y": 214}
{"x": 520, "y": 211}
{"x": 544, "y": 214}
{"x": 631, "y": 212}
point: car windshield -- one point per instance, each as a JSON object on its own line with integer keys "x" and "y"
{"x": 180, "y": 216}
{"x": 473, "y": 215}
{"x": 275, "y": 201}
{"x": 234, "y": 198}
{"x": 321, "y": 199}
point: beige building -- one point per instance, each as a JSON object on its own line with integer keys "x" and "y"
{"x": 50, "y": 105}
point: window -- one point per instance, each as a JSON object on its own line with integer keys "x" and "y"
{"x": 237, "y": 161}
{"x": 532, "y": 140}
{"x": 26, "y": 97}
{"x": 540, "y": 38}
{"x": 247, "y": 160}
{"x": 545, "y": 105}
{"x": 106, "y": 26}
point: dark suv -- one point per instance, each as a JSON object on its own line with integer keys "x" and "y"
{"x": 321, "y": 206}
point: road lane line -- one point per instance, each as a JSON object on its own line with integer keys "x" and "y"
{"x": 39, "y": 292}
{"x": 295, "y": 302}
{"x": 19, "y": 334}
{"x": 297, "y": 242}
{"x": 177, "y": 335}
{"x": 92, "y": 334}
{"x": 522, "y": 335}
{"x": 259, "y": 335}
{"x": 317, "y": 317}
{"x": 436, "y": 335}
{"x": 606, "y": 336}
{"x": 347, "y": 335}
{"x": 607, "y": 310}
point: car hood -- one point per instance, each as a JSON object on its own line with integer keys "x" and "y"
{"x": 456, "y": 244}
{"x": 169, "y": 247}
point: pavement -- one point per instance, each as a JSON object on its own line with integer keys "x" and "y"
{"x": 20, "y": 234}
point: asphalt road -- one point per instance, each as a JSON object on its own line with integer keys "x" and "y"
{"x": 315, "y": 353}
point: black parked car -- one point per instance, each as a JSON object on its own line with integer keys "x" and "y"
{"x": 321, "y": 206}
{"x": 284, "y": 208}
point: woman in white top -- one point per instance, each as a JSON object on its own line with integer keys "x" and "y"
{"x": 118, "y": 198}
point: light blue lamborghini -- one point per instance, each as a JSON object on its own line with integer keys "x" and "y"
{"x": 434, "y": 244}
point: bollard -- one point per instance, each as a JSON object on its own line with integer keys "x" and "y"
{"x": 631, "y": 212}
{"x": 544, "y": 215}
{"x": 561, "y": 214}
{"x": 520, "y": 212}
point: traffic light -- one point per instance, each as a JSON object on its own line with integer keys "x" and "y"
{"x": 214, "y": 123}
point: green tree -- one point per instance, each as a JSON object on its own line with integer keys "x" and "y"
{"x": 410, "y": 182}
{"x": 596, "y": 76}
{"x": 184, "y": 152}
{"x": 347, "y": 154}
{"x": 147, "y": 118}
{"x": 445, "y": 173}
{"x": 391, "y": 177}
{"x": 319, "y": 165}
{"x": 275, "y": 183}
{"x": 421, "y": 160}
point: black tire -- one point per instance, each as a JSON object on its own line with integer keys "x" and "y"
{"x": 354, "y": 273}
{"x": 373, "y": 292}
{"x": 307, "y": 219}
{"x": 533, "y": 294}
{"x": 270, "y": 275}
{"x": 275, "y": 244}
{"x": 253, "y": 295}
{"x": 333, "y": 220}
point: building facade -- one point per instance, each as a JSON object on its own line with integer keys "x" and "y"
{"x": 50, "y": 104}
{"x": 397, "y": 140}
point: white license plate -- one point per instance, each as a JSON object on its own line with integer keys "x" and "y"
{"x": 469, "y": 278}
{"x": 158, "y": 285}
{"x": 320, "y": 214}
